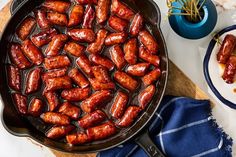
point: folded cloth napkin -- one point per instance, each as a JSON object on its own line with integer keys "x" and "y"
{"x": 182, "y": 127}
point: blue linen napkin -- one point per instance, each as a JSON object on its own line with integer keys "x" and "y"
{"x": 182, "y": 127}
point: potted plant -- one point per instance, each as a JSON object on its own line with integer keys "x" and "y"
{"x": 192, "y": 19}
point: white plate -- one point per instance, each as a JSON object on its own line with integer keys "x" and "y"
{"x": 213, "y": 71}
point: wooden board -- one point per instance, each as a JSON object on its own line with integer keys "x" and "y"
{"x": 178, "y": 83}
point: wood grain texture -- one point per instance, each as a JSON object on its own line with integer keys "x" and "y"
{"x": 178, "y": 83}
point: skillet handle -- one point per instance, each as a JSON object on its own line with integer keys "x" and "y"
{"x": 14, "y": 5}
{"x": 148, "y": 146}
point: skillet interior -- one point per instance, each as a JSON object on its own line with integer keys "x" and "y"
{"x": 19, "y": 126}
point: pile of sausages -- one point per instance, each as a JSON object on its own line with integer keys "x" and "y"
{"x": 225, "y": 56}
{"x": 65, "y": 77}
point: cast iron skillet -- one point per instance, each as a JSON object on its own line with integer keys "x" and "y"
{"x": 19, "y": 126}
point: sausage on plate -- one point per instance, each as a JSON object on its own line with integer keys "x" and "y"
{"x": 230, "y": 70}
{"x": 226, "y": 48}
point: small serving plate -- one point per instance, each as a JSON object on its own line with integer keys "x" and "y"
{"x": 213, "y": 71}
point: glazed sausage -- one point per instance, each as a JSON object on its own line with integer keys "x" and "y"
{"x": 82, "y": 35}
{"x": 104, "y": 61}
{"x": 56, "y": 62}
{"x": 102, "y": 131}
{"x": 119, "y": 105}
{"x": 117, "y": 56}
{"x": 77, "y": 138}
{"x": 54, "y": 73}
{"x": 136, "y": 25}
{"x": 139, "y": 69}
{"x": 55, "y": 118}
{"x": 53, "y": 84}
{"x": 78, "y": 78}
{"x": 129, "y": 116}
{"x": 76, "y": 15}
{"x": 148, "y": 41}
{"x": 101, "y": 74}
{"x": 86, "y": 1}
{"x": 95, "y": 100}
{"x": 89, "y": 16}
{"x": 75, "y": 94}
{"x": 85, "y": 65}
{"x": 57, "y": 5}
{"x": 59, "y": 131}
{"x": 97, "y": 46}
{"x": 148, "y": 57}
{"x": 131, "y": 51}
{"x": 57, "y": 18}
{"x": 151, "y": 77}
{"x": 56, "y": 44}
{"x": 32, "y": 52}
{"x": 52, "y": 100}
{"x": 230, "y": 70}
{"x": 43, "y": 37}
{"x": 74, "y": 49}
{"x": 33, "y": 81}
{"x": 125, "y": 80}
{"x": 17, "y": 57}
{"x": 102, "y": 10}
{"x": 41, "y": 18}
{"x": 26, "y": 27}
{"x": 117, "y": 23}
{"x": 226, "y": 48}
{"x": 20, "y": 102}
{"x": 121, "y": 10}
{"x": 36, "y": 107}
{"x": 14, "y": 77}
{"x": 70, "y": 110}
{"x": 97, "y": 85}
{"x": 116, "y": 38}
{"x": 92, "y": 119}
{"x": 145, "y": 97}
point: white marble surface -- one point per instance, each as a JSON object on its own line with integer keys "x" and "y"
{"x": 184, "y": 53}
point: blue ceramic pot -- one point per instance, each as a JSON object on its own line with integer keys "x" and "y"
{"x": 197, "y": 30}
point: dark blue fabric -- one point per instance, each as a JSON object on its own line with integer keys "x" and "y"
{"x": 182, "y": 127}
